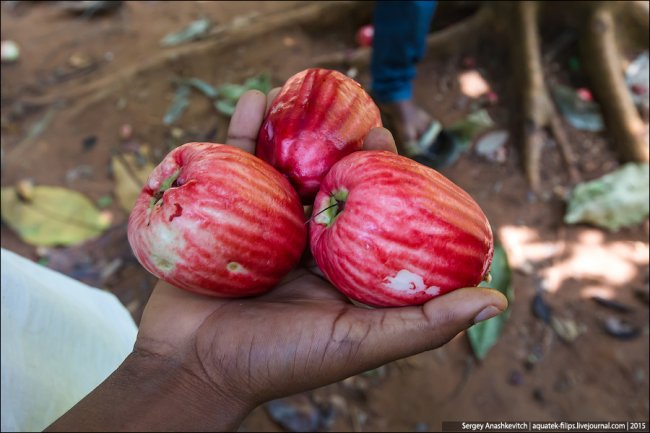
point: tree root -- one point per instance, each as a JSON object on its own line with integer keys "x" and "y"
{"x": 539, "y": 112}
{"x": 604, "y": 67}
{"x": 635, "y": 18}
{"x": 238, "y": 32}
{"x": 518, "y": 19}
{"x": 450, "y": 39}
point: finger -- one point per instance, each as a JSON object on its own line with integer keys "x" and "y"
{"x": 271, "y": 97}
{"x": 246, "y": 121}
{"x": 380, "y": 139}
{"x": 383, "y": 335}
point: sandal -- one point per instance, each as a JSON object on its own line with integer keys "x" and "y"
{"x": 436, "y": 148}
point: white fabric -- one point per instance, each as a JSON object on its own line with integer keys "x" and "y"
{"x": 60, "y": 339}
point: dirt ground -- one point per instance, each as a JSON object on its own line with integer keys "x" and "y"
{"x": 531, "y": 374}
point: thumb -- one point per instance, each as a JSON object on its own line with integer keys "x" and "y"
{"x": 380, "y": 139}
{"x": 395, "y": 333}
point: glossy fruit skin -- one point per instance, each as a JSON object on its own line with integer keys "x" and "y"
{"x": 406, "y": 233}
{"x": 230, "y": 225}
{"x": 318, "y": 117}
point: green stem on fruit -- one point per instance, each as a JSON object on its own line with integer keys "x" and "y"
{"x": 315, "y": 215}
{"x": 336, "y": 206}
{"x": 167, "y": 183}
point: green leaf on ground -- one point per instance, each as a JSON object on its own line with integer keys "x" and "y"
{"x": 203, "y": 87}
{"x": 52, "y": 216}
{"x": 618, "y": 199}
{"x": 484, "y": 335}
{"x": 580, "y": 114}
{"x": 260, "y": 82}
{"x": 195, "y": 30}
{"x": 225, "y": 107}
{"x": 466, "y": 129}
{"x": 231, "y": 92}
{"x": 179, "y": 104}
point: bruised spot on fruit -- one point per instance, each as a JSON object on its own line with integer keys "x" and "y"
{"x": 170, "y": 182}
{"x": 407, "y": 281}
{"x": 163, "y": 264}
{"x": 235, "y": 268}
{"x": 178, "y": 211}
{"x": 333, "y": 208}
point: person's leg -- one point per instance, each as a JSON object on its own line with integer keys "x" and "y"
{"x": 399, "y": 43}
{"x": 401, "y": 29}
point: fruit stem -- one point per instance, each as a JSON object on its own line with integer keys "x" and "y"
{"x": 315, "y": 215}
{"x": 335, "y": 206}
{"x": 167, "y": 183}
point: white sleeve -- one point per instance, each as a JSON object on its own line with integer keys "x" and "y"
{"x": 60, "y": 339}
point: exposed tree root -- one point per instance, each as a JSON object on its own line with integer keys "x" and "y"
{"x": 605, "y": 72}
{"x": 448, "y": 40}
{"x": 518, "y": 19}
{"x": 635, "y": 17}
{"x": 538, "y": 111}
{"x": 539, "y": 115}
{"x": 221, "y": 38}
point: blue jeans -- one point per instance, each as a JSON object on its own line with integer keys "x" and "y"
{"x": 401, "y": 29}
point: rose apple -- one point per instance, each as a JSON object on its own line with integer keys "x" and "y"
{"x": 318, "y": 117}
{"x": 215, "y": 220}
{"x": 365, "y": 35}
{"x": 387, "y": 231}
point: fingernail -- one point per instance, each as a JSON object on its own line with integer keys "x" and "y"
{"x": 487, "y": 313}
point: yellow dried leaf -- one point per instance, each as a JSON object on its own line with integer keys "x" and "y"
{"x": 130, "y": 177}
{"x": 52, "y": 216}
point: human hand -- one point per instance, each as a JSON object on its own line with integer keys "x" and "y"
{"x": 302, "y": 334}
{"x": 202, "y": 363}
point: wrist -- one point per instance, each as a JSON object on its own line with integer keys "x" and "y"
{"x": 152, "y": 393}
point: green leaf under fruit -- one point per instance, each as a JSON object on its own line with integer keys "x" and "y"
{"x": 484, "y": 335}
{"x": 52, "y": 216}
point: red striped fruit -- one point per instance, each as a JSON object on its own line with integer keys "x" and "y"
{"x": 318, "y": 117}
{"x": 388, "y": 231}
{"x": 215, "y": 220}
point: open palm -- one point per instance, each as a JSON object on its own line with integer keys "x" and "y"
{"x": 303, "y": 333}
